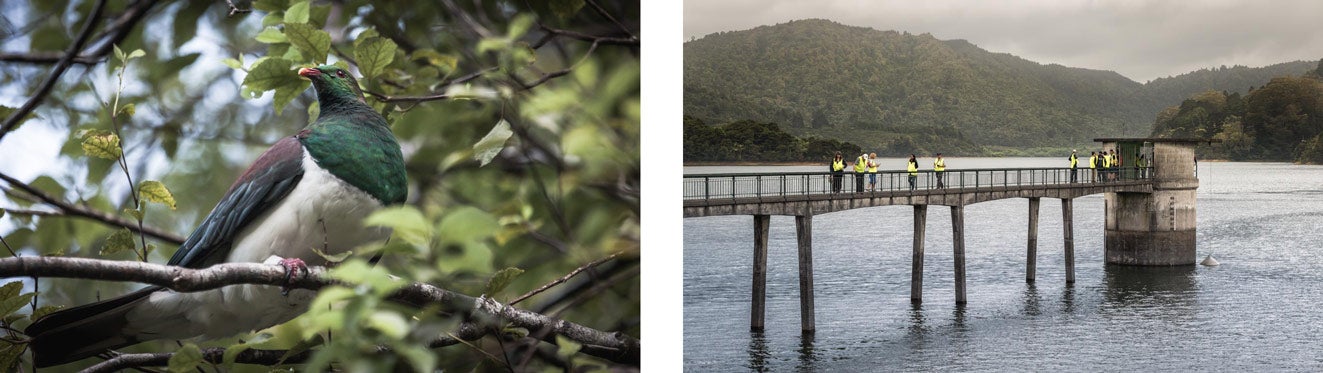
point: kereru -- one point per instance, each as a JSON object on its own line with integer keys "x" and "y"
{"x": 308, "y": 190}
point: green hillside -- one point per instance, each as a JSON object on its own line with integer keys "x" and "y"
{"x": 883, "y": 89}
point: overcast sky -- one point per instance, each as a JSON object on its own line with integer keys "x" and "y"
{"x": 1141, "y": 39}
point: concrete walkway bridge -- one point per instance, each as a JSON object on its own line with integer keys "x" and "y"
{"x": 1150, "y": 211}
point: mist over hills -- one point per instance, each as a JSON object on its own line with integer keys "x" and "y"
{"x": 900, "y": 92}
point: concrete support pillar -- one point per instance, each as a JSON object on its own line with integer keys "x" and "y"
{"x": 804, "y": 231}
{"x": 1031, "y": 254}
{"x": 760, "y": 230}
{"x": 916, "y": 268}
{"x": 958, "y": 241}
{"x": 1156, "y": 229}
{"x": 1068, "y": 233}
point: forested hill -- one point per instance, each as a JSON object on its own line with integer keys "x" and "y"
{"x": 882, "y": 88}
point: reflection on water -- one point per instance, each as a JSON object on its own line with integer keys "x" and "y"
{"x": 1032, "y": 302}
{"x": 758, "y": 352}
{"x": 1142, "y": 286}
{"x": 807, "y": 357}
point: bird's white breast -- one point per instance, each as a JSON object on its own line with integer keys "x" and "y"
{"x": 322, "y": 212}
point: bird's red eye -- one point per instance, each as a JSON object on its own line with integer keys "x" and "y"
{"x": 340, "y": 73}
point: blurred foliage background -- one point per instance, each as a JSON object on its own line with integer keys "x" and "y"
{"x": 519, "y": 123}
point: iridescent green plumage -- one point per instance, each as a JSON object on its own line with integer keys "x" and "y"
{"x": 351, "y": 140}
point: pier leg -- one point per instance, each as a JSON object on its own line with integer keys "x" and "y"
{"x": 1068, "y": 226}
{"x": 916, "y": 270}
{"x": 958, "y": 241}
{"x": 1031, "y": 256}
{"x": 760, "y": 230}
{"x": 804, "y": 230}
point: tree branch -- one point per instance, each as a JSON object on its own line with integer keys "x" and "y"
{"x": 47, "y": 57}
{"x": 45, "y": 89}
{"x": 567, "y": 277}
{"x": 617, "y": 346}
{"x": 86, "y": 212}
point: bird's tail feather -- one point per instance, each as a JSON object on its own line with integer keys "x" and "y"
{"x": 83, "y": 331}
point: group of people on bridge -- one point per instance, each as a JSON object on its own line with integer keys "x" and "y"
{"x": 867, "y": 163}
{"x": 1104, "y": 165}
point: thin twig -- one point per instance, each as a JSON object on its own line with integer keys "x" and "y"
{"x": 604, "y": 13}
{"x": 70, "y": 209}
{"x": 567, "y": 277}
{"x": 60, "y": 67}
{"x": 235, "y": 10}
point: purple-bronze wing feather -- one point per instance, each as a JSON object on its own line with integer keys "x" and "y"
{"x": 271, "y": 177}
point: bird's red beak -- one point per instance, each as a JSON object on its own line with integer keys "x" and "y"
{"x": 309, "y": 73}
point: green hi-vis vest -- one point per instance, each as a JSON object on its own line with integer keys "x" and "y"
{"x": 914, "y": 168}
{"x": 860, "y": 165}
{"x": 837, "y": 165}
{"x": 939, "y": 165}
{"x": 1073, "y": 160}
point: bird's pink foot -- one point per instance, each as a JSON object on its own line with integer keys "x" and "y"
{"x": 291, "y": 264}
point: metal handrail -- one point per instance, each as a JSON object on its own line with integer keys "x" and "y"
{"x": 768, "y": 185}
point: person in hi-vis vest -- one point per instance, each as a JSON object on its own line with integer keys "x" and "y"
{"x": 860, "y": 165}
{"x": 837, "y": 171}
{"x": 939, "y": 170}
{"x": 913, "y": 168}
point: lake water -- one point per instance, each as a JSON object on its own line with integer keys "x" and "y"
{"x": 1259, "y": 310}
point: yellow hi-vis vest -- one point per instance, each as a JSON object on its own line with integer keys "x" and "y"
{"x": 1107, "y": 161}
{"x": 914, "y": 168}
{"x": 1093, "y": 161}
{"x": 939, "y": 165}
{"x": 1073, "y": 160}
{"x": 837, "y": 165}
{"x": 860, "y": 164}
{"x": 872, "y": 166}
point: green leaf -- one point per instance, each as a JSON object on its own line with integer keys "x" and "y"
{"x": 373, "y": 55}
{"x": 6, "y": 111}
{"x": 407, "y": 222}
{"x": 135, "y": 213}
{"x": 276, "y": 74}
{"x": 357, "y": 271}
{"x": 389, "y": 323}
{"x": 10, "y": 289}
{"x": 487, "y": 148}
{"x": 467, "y": 224}
{"x": 520, "y": 25}
{"x": 128, "y": 110}
{"x": 491, "y": 44}
{"x": 567, "y": 347}
{"x": 271, "y": 35}
{"x": 9, "y": 305}
{"x": 186, "y": 359}
{"x": 270, "y": 5}
{"x": 233, "y": 63}
{"x": 43, "y": 311}
{"x": 154, "y": 191}
{"x": 121, "y": 240}
{"x": 311, "y": 41}
{"x": 136, "y": 53}
{"x": 102, "y": 144}
{"x": 9, "y": 355}
{"x": 297, "y": 13}
{"x": 502, "y": 279}
{"x": 314, "y": 110}
{"x": 566, "y": 8}
{"x": 119, "y": 54}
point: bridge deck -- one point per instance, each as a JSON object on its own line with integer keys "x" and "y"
{"x": 806, "y": 194}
